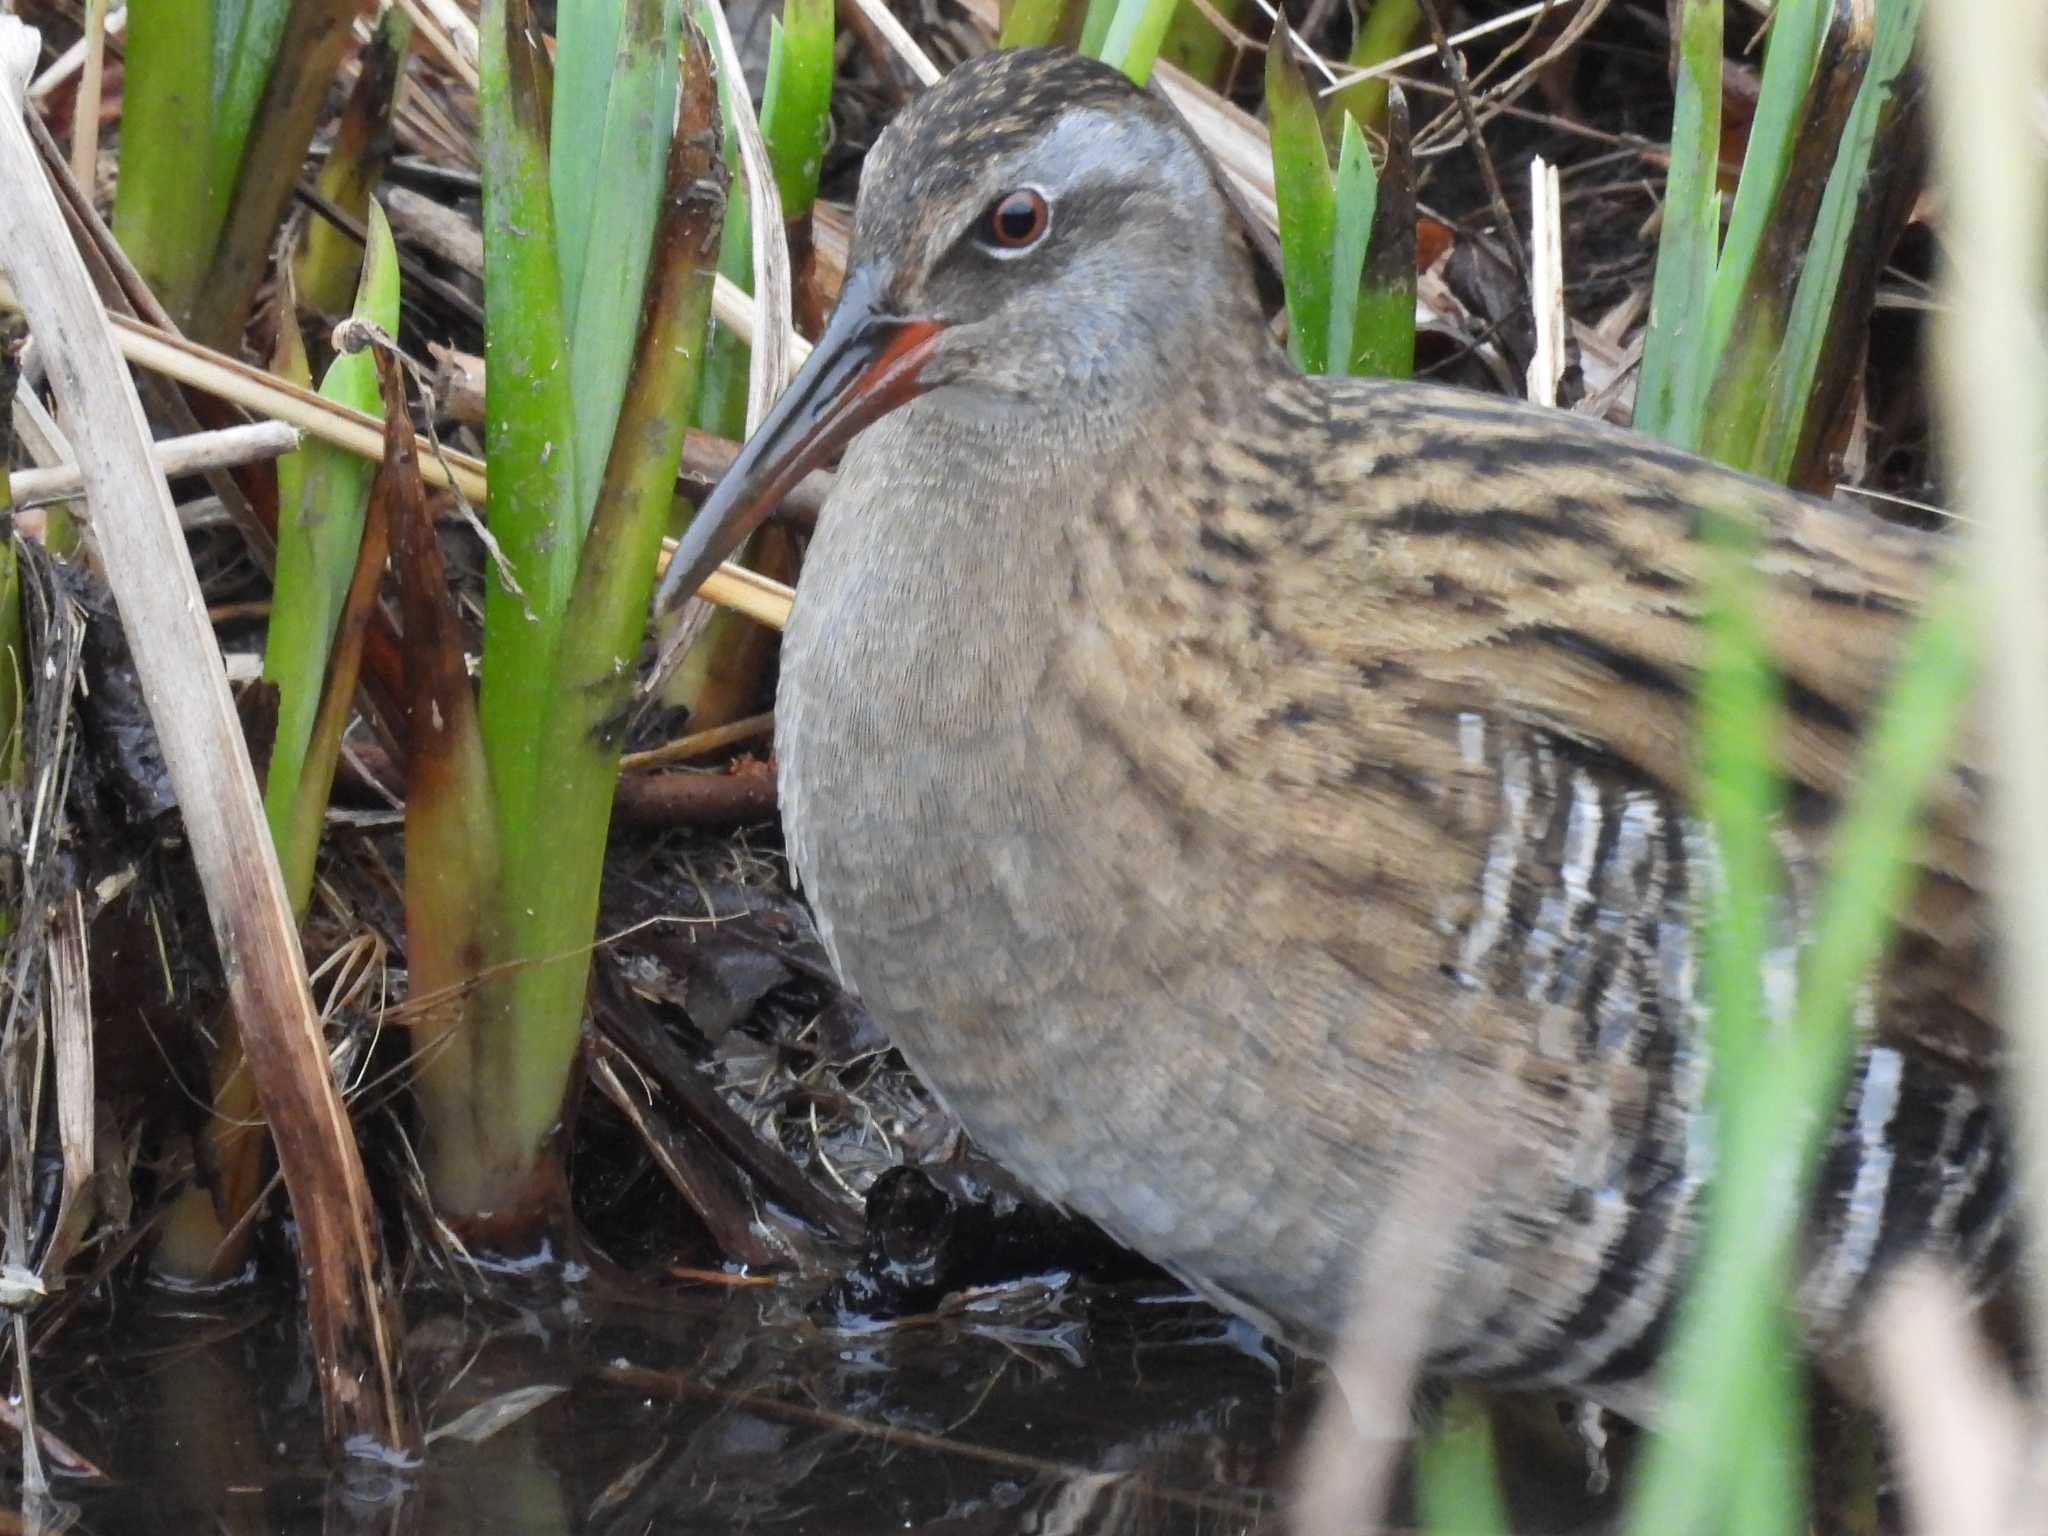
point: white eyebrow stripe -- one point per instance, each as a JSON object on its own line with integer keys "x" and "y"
{"x": 1086, "y": 143}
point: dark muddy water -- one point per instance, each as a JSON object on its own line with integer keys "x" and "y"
{"x": 723, "y": 1409}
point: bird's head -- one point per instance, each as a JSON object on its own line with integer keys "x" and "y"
{"x": 1034, "y": 233}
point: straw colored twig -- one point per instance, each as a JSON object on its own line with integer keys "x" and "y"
{"x": 265, "y": 394}
{"x": 738, "y": 313}
{"x": 221, "y": 449}
{"x": 768, "y": 364}
{"x": 698, "y": 744}
{"x": 85, "y": 114}
{"x": 446, "y": 31}
{"x": 72, "y": 60}
{"x": 884, "y": 21}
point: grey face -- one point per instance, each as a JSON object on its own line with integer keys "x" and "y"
{"x": 1065, "y": 261}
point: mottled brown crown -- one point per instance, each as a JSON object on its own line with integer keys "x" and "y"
{"x": 990, "y": 106}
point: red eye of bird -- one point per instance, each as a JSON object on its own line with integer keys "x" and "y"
{"x": 1016, "y": 220}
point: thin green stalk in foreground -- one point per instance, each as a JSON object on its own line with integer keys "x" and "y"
{"x": 1777, "y": 1085}
{"x": 1748, "y": 1209}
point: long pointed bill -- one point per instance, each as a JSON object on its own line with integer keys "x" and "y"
{"x": 865, "y": 365}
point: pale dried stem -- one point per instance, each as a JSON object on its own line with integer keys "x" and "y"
{"x": 221, "y": 449}
{"x": 1364, "y": 1419}
{"x": 71, "y": 1057}
{"x": 85, "y": 114}
{"x": 36, "y": 432}
{"x": 265, "y": 394}
{"x": 768, "y": 359}
{"x": 72, "y": 60}
{"x": 885, "y": 22}
{"x": 1546, "y": 280}
{"x": 446, "y": 31}
{"x": 1988, "y": 58}
{"x": 698, "y": 744}
{"x": 737, "y": 312}
{"x": 1962, "y": 1438}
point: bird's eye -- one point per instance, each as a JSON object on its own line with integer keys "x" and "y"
{"x": 1016, "y": 221}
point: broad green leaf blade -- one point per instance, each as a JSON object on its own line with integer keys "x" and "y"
{"x": 1790, "y": 53}
{"x": 1306, "y": 201}
{"x": 1749, "y": 352}
{"x": 1135, "y": 32}
{"x": 1095, "y": 26}
{"x": 529, "y": 426}
{"x": 1813, "y": 306}
{"x": 1676, "y": 363}
{"x": 1383, "y": 335}
{"x": 1032, "y": 23}
{"x": 1386, "y": 30}
{"x": 1194, "y": 45}
{"x": 586, "y": 47}
{"x": 322, "y": 492}
{"x": 1357, "y": 194}
{"x": 602, "y": 305}
{"x": 797, "y": 103}
{"x": 553, "y": 863}
{"x": 165, "y": 216}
